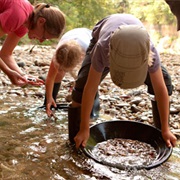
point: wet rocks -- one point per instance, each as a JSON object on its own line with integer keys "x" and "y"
{"x": 132, "y": 104}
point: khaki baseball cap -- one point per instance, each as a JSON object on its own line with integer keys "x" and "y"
{"x": 129, "y": 52}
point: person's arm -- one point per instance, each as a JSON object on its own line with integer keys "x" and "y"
{"x": 162, "y": 98}
{"x": 7, "y": 62}
{"x": 6, "y": 52}
{"x": 89, "y": 93}
{"x": 53, "y": 75}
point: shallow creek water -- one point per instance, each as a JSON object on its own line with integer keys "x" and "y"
{"x": 33, "y": 147}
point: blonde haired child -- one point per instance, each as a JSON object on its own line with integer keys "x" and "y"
{"x": 69, "y": 54}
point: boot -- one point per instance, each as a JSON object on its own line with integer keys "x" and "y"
{"x": 74, "y": 119}
{"x": 155, "y": 112}
{"x": 96, "y": 108}
{"x": 55, "y": 92}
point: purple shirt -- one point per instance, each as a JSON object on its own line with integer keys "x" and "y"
{"x": 101, "y": 34}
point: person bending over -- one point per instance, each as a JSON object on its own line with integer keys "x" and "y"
{"x": 70, "y": 52}
{"x": 120, "y": 45}
{"x": 19, "y": 17}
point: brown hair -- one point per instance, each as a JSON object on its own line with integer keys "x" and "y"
{"x": 55, "y": 18}
{"x": 68, "y": 55}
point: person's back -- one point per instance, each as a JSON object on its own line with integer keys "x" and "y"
{"x": 81, "y": 35}
{"x": 76, "y": 40}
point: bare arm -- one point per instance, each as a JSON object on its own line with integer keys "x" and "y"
{"x": 162, "y": 98}
{"x": 7, "y": 63}
{"x": 3, "y": 66}
{"x": 89, "y": 93}
{"x": 53, "y": 76}
{"x": 7, "y": 50}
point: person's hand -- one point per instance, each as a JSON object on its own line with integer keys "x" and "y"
{"x": 169, "y": 138}
{"x": 34, "y": 81}
{"x": 17, "y": 79}
{"x": 81, "y": 138}
{"x": 49, "y": 103}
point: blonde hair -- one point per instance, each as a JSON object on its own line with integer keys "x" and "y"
{"x": 68, "y": 55}
{"x": 55, "y": 18}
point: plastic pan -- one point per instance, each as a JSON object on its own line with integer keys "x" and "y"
{"x": 128, "y": 130}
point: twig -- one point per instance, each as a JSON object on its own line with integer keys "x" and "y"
{"x": 31, "y": 49}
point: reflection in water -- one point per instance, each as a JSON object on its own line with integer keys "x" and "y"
{"x": 34, "y": 147}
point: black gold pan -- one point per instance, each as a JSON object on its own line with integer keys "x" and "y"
{"x": 128, "y": 130}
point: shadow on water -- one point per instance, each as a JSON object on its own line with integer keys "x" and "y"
{"x": 34, "y": 147}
